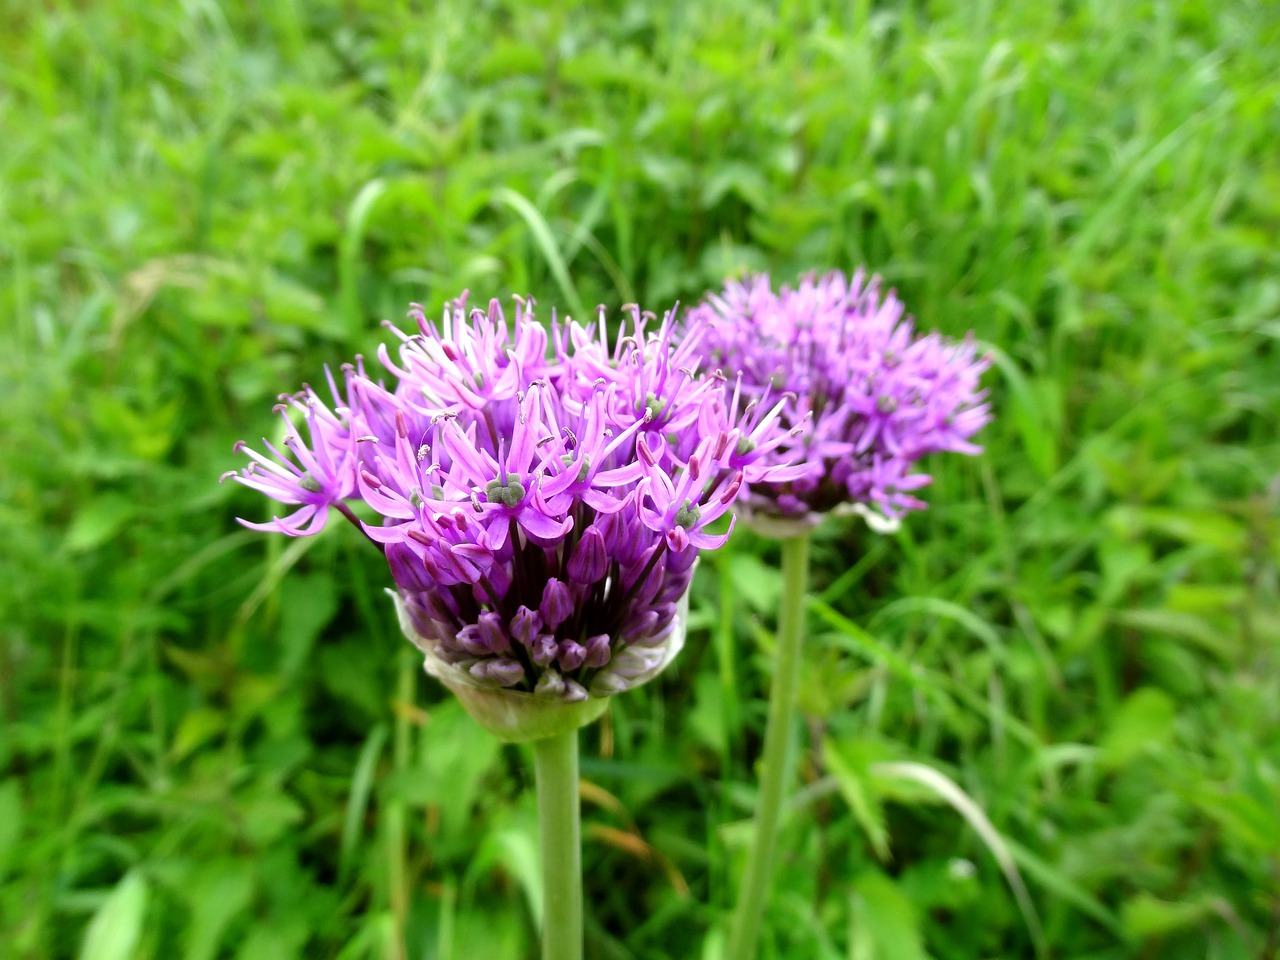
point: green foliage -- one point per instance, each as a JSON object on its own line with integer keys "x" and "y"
{"x": 214, "y": 744}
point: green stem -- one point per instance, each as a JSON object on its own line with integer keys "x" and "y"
{"x": 556, "y": 763}
{"x": 745, "y": 932}
{"x": 396, "y": 819}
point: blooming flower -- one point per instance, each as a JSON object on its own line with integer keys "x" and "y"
{"x": 841, "y": 355}
{"x": 540, "y": 500}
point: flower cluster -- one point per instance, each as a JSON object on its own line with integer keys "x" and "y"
{"x": 540, "y": 497}
{"x": 842, "y": 356}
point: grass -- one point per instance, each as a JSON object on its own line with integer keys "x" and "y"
{"x": 212, "y": 745}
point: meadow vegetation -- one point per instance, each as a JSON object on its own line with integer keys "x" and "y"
{"x": 216, "y": 743}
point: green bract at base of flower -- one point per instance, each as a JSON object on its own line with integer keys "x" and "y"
{"x": 517, "y": 717}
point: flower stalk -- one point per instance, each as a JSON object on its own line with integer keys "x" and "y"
{"x": 559, "y": 834}
{"x": 776, "y": 765}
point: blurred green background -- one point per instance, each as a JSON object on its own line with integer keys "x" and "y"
{"x": 214, "y": 742}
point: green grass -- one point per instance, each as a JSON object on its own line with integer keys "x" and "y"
{"x": 215, "y": 745}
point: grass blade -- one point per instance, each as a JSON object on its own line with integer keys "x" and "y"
{"x": 963, "y": 804}
{"x": 546, "y": 242}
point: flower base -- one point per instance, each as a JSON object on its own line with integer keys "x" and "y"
{"x": 514, "y": 716}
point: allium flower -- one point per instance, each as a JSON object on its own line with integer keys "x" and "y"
{"x": 841, "y": 355}
{"x": 540, "y": 502}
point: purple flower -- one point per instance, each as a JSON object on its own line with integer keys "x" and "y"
{"x": 871, "y": 398}
{"x": 540, "y": 499}
{"x": 312, "y": 477}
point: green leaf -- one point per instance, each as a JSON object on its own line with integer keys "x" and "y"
{"x": 216, "y": 894}
{"x": 267, "y": 813}
{"x": 949, "y": 792}
{"x": 10, "y": 823}
{"x": 1184, "y": 626}
{"x": 307, "y": 604}
{"x": 1033, "y": 411}
{"x": 945, "y": 610}
{"x": 514, "y": 846}
{"x": 759, "y": 584}
{"x": 849, "y": 763}
{"x": 358, "y": 798}
{"x": 1211, "y": 528}
{"x": 116, "y": 926}
{"x": 197, "y": 728}
{"x": 707, "y": 718}
{"x": 1146, "y": 916}
{"x": 456, "y": 754}
{"x": 1248, "y": 820}
{"x": 1143, "y": 722}
{"x": 350, "y": 255}
{"x": 741, "y": 179}
{"x": 546, "y": 242}
{"x": 99, "y": 521}
{"x": 1062, "y": 886}
{"x": 270, "y": 942}
{"x": 885, "y": 920}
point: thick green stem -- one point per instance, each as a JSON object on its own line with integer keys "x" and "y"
{"x": 556, "y": 764}
{"x": 777, "y": 742}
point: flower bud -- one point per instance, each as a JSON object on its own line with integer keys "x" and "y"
{"x": 590, "y": 560}
{"x": 525, "y": 625}
{"x": 557, "y": 604}
{"x": 597, "y": 651}
{"x": 544, "y": 650}
{"x": 572, "y": 655}
{"x": 492, "y": 634}
{"x": 502, "y": 671}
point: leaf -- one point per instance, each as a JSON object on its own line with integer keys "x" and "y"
{"x": 1249, "y": 821}
{"x": 345, "y": 673}
{"x": 1184, "y": 626}
{"x": 99, "y": 521}
{"x": 1144, "y": 721}
{"x": 1033, "y": 415}
{"x": 456, "y": 754}
{"x": 216, "y": 894}
{"x": 352, "y": 245}
{"x": 515, "y": 847}
{"x": 10, "y": 823}
{"x": 358, "y": 798}
{"x": 713, "y": 945}
{"x": 850, "y": 766}
{"x": 290, "y": 303}
{"x": 1209, "y": 528}
{"x": 197, "y": 728}
{"x": 759, "y": 584}
{"x": 742, "y": 179}
{"x": 113, "y": 932}
{"x": 885, "y": 920}
{"x": 707, "y": 718}
{"x": 307, "y": 604}
{"x": 270, "y": 942}
{"x": 946, "y": 610}
{"x": 948, "y": 791}
{"x": 267, "y": 813}
{"x": 1146, "y": 916}
{"x": 1058, "y": 883}
{"x": 546, "y": 242}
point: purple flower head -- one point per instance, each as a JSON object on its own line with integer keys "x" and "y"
{"x": 540, "y": 497}
{"x": 864, "y": 397}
